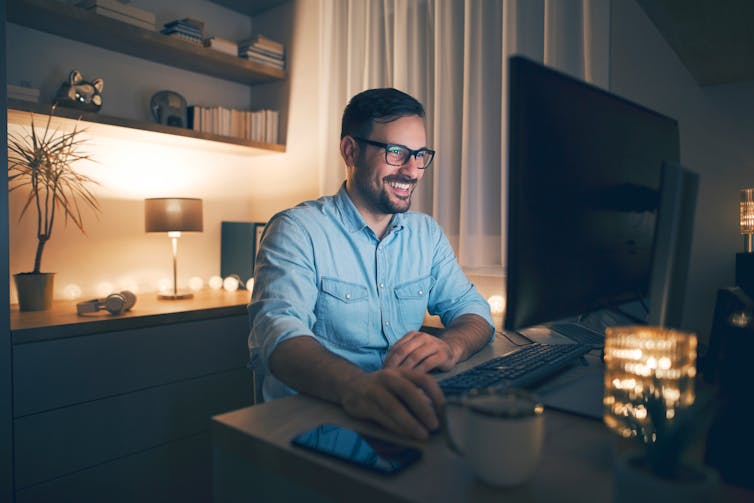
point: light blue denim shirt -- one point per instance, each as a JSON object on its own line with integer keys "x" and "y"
{"x": 321, "y": 272}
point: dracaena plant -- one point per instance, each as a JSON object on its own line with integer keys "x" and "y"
{"x": 41, "y": 162}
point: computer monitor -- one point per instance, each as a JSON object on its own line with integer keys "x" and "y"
{"x": 584, "y": 190}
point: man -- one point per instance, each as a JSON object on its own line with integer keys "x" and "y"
{"x": 342, "y": 284}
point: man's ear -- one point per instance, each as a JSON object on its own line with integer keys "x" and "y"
{"x": 349, "y": 150}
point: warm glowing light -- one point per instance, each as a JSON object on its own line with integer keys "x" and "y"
{"x": 104, "y": 289}
{"x": 497, "y": 304}
{"x": 637, "y": 360}
{"x": 746, "y": 211}
{"x": 231, "y": 283}
{"x": 215, "y": 282}
{"x": 165, "y": 285}
{"x": 72, "y": 291}
{"x": 196, "y": 283}
{"x": 250, "y": 285}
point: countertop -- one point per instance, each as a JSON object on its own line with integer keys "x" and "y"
{"x": 62, "y": 320}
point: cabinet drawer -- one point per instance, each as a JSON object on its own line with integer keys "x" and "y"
{"x": 65, "y": 440}
{"x": 56, "y": 373}
{"x": 179, "y": 471}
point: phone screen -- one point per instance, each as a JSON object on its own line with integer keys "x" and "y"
{"x": 357, "y": 448}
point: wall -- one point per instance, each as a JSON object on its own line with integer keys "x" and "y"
{"x": 234, "y": 184}
{"x": 716, "y": 128}
{"x": 6, "y": 387}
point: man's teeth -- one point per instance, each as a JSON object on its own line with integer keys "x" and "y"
{"x": 400, "y": 186}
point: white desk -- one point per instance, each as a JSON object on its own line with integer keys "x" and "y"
{"x": 253, "y": 459}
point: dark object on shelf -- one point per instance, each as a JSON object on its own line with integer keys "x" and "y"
{"x": 80, "y": 93}
{"x": 727, "y": 366}
{"x": 238, "y": 248}
{"x": 169, "y": 108}
{"x": 745, "y": 272}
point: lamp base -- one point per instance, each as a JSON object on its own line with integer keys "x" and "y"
{"x": 175, "y": 296}
{"x": 745, "y": 272}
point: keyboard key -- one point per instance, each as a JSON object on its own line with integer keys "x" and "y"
{"x": 523, "y": 367}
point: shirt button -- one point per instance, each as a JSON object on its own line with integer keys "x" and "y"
{"x": 382, "y": 285}
{"x": 420, "y": 292}
{"x": 387, "y": 323}
{"x": 348, "y": 296}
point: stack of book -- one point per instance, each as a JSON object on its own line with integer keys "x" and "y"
{"x": 259, "y": 125}
{"x": 263, "y": 50}
{"x": 121, "y": 11}
{"x": 24, "y": 93}
{"x": 187, "y": 29}
{"x": 222, "y": 45}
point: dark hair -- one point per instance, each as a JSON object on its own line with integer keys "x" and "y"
{"x": 381, "y": 105}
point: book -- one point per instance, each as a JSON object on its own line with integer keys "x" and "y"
{"x": 121, "y": 8}
{"x": 186, "y": 38}
{"x": 262, "y": 61}
{"x": 263, "y": 42}
{"x": 197, "y": 24}
{"x": 261, "y": 50}
{"x": 183, "y": 31}
{"x": 23, "y": 93}
{"x": 222, "y": 45}
{"x": 102, "y": 11}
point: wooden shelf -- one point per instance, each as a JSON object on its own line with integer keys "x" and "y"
{"x": 84, "y": 26}
{"x": 18, "y": 113}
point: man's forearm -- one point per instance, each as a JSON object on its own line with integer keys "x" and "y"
{"x": 306, "y": 366}
{"x": 466, "y": 335}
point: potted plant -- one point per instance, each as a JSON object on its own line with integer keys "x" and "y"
{"x": 41, "y": 163}
{"x": 660, "y": 469}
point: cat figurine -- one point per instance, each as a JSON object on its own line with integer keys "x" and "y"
{"x": 80, "y": 93}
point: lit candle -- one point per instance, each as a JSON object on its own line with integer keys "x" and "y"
{"x": 638, "y": 359}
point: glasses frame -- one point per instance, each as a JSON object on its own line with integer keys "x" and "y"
{"x": 411, "y": 152}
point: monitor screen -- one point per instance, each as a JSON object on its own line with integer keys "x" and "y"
{"x": 583, "y": 195}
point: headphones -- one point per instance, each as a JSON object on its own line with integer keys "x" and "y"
{"x": 115, "y": 303}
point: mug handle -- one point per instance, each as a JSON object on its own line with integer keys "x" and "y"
{"x": 451, "y": 402}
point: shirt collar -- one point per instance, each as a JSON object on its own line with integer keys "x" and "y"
{"x": 353, "y": 219}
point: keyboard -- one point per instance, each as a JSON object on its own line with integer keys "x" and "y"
{"x": 523, "y": 367}
{"x": 580, "y": 334}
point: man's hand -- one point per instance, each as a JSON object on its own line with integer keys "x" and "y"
{"x": 404, "y": 401}
{"x": 422, "y": 352}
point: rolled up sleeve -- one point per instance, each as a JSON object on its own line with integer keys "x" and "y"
{"x": 454, "y": 295}
{"x": 285, "y": 288}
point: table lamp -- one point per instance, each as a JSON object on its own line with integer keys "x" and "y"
{"x": 641, "y": 361}
{"x": 173, "y": 215}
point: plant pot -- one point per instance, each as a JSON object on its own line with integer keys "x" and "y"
{"x": 34, "y": 290}
{"x": 633, "y": 481}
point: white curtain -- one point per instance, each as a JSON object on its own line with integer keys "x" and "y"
{"x": 452, "y": 56}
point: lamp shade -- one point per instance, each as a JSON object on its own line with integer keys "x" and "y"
{"x": 171, "y": 214}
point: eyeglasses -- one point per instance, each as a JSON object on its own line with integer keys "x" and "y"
{"x": 399, "y": 155}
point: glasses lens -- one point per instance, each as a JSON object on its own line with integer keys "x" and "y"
{"x": 396, "y": 155}
{"x": 425, "y": 158}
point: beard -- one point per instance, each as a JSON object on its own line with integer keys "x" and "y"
{"x": 378, "y": 196}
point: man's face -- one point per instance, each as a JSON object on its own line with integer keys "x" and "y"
{"x": 384, "y": 188}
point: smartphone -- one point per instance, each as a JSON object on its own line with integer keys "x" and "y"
{"x": 359, "y": 449}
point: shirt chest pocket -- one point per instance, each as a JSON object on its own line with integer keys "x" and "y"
{"x": 344, "y": 312}
{"x": 412, "y": 298}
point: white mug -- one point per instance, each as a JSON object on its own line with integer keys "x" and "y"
{"x": 499, "y": 432}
